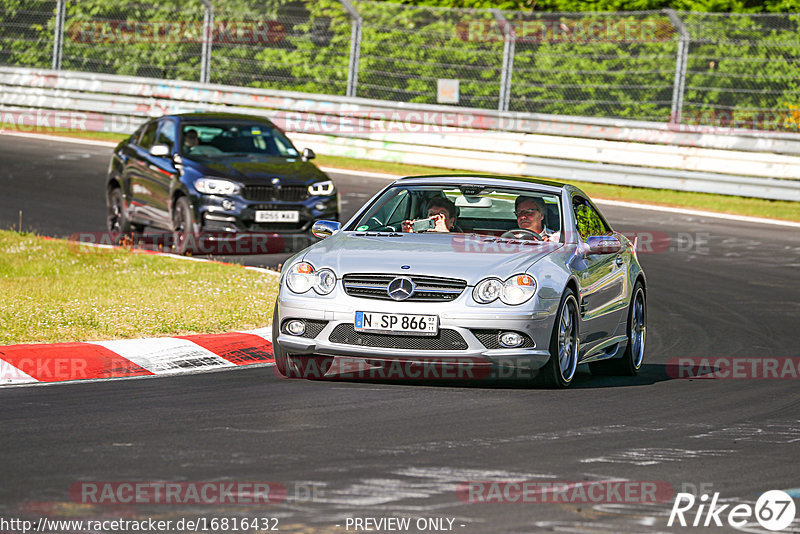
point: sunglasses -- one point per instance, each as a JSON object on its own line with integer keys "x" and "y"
{"x": 526, "y": 212}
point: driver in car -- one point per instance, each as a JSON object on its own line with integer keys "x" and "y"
{"x": 190, "y": 139}
{"x": 530, "y": 216}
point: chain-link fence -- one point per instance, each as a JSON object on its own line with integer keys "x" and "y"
{"x": 693, "y": 68}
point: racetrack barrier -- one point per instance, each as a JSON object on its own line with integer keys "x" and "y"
{"x": 722, "y": 160}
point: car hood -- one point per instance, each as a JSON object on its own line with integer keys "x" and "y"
{"x": 256, "y": 169}
{"x": 466, "y": 257}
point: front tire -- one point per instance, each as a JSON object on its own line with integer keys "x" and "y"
{"x": 310, "y": 367}
{"x": 631, "y": 361}
{"x": 183, "y": 226}
{"x": 559, "y": 371}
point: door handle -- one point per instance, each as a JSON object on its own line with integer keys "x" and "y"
{"x": 619, "y": 261}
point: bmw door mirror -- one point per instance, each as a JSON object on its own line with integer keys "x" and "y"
{"x": 603, "y": 244}
{"x": 308, "y": 154}
{"x": 159, "y": 151}
{"x": 323, "y": 229}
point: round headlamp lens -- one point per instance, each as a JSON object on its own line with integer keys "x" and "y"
{"x": 301, "y": 277}
{"x": 326, "y": 281}
{"x": 518, "y": 289}
{"x": 487, "y": 290}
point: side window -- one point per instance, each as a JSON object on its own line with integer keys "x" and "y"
{"x": 587, "y": 220}
{"x": 135, "y": 136}
{"x": 167, "y": 134}
{"x": 149, "y": 135}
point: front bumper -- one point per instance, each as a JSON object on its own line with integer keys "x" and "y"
{"x": 239, "y": 216}
{"x": 453, "y": 316}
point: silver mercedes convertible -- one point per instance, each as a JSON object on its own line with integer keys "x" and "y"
{"x": 472, "y": 272}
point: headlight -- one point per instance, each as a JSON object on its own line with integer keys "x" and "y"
{"x": 487, "y": 290}
{"x": 518, "y": 289}
{"x": 326, "y": 281}
{"x": 325, "y": 188}
{"x": 215, "y": 186}
{"x": 302, "y": 277}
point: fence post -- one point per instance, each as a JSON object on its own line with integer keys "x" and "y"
{"x": 509, "y": 38}
{"x": 58, "y": 35}
{"x": 208, "y": 38}
{"x": 355, "y": 48}
{"x": 679, "y": 85}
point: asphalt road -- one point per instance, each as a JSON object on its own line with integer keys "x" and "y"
{"x": 348, "y": 450}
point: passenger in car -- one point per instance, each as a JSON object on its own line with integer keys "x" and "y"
{"x": 444, "y": 213}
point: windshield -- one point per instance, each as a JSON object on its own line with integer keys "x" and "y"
{"x": 221, "y": 139}
{"x": 488, "y": 211}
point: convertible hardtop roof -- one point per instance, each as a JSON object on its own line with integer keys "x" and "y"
{"x": 191, "y": 117}
{"x": 546, "y": 186}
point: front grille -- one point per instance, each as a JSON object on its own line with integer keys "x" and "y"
{"x": 490, "y": 341}
{"x": 428, "y": 288}
{"x": 263, "y": 193}
{"x": 313, "y": 327}
{"x": 445, "y": 340}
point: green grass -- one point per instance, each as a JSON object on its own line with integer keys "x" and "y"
{"x": 58, "y": 291}
{"x": 754, "y": 207}
{"x": 66, "y": 132}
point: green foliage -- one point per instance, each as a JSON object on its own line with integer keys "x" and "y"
{"x": 742, "y": 69}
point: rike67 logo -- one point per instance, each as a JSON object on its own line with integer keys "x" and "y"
{"x": 774, "y": 510}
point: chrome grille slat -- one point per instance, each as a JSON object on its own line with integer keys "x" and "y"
{"x": 428, "y": 288}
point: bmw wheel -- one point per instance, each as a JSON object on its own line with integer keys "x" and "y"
{"x": 117, "y": 219}
{"x": 183, "y": 226}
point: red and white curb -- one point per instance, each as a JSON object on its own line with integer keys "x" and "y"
{"x": 127, "y": 358}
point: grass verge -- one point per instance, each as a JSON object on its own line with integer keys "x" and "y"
{"x": 753, "y": 207}
{"x": 57, "y": 291}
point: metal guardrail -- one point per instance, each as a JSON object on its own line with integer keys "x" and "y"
{"x": 623, "y": 152}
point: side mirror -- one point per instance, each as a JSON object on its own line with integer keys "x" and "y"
{"x": 159, "y": 151}
{"x": 308, "y": 154}
{"x": 323, "y": 229}
{"x": 603, "y": 244}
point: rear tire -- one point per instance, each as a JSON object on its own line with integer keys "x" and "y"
{"x": 630, "y": 363}
{"x": 560, "y": 369}
{"x": 117, "y": 218}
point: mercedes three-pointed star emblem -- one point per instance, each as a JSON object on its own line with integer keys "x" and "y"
{"x": 400, "y": 288}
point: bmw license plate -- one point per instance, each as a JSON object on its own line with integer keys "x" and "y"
{"x": 277, "y": 216}
{"x": 397, "y": 323}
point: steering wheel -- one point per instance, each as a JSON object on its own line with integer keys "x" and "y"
{"x": 521, "y": 233}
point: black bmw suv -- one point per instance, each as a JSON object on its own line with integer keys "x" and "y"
{"x": 215, "y": 174}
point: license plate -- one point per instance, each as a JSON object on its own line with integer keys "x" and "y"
{"x": 397, "y": 323}
{"x": 277, "y": 216}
